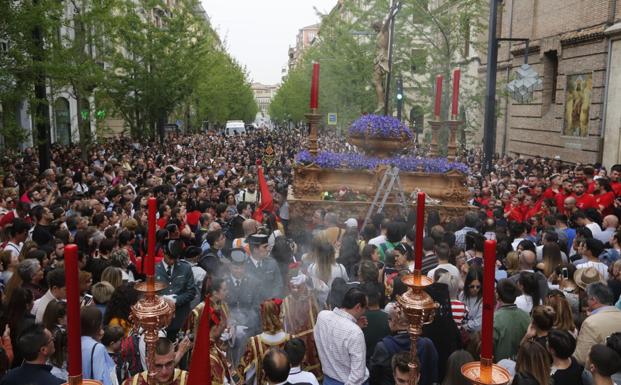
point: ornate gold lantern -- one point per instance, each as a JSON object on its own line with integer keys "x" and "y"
{"x": 420, "y": 310}
{"x": 151, "y": 313}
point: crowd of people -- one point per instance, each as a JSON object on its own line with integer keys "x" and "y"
{"x": 310, "y": 308}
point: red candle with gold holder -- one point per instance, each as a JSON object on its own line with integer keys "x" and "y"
{"x": 419, "y": 309}
{"x": 487, "y": 326}
{"x": 486, "y": 372}
{"x": 437, "y": 111}
{"x": 150, "y": 261}
{"x": 420, "y": 227}
{"x": 455, "y": 102}
{"x": 151, "y": 312}
{"x": 314, "y": 97}
{"x": 74, "y": 343}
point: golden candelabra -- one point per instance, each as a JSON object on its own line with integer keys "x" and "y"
{"x": 485, "y": 372}
{"x": 436, "y": 127}
{"x": 420, "y": 309}
{"x": 78, "y": 380}
{"x": 151, "y": 313}
{"x": 313, "y": 121}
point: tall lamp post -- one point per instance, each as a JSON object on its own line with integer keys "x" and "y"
{"x": 520, "y": 89}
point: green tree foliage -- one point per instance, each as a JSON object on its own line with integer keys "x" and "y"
{"x": 428, "y": 41}
{"x": 138, "y": 60}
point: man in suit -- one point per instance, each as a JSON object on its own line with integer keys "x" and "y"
{"x": 244, "y": 210}
{"x": 604, "y": 320}
{"x": 264, "y": 268}
{"x": 180, "y": 279}
{"x": 243, "y": 299}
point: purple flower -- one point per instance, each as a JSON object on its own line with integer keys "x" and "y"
{"x": 327, "y": 159}
{"x": 379, "y": 126}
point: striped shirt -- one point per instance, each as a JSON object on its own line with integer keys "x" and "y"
{"x": 430, "y": 261}
{"x": 459, "y": 311}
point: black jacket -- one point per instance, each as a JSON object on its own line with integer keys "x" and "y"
{"x": 31, "y": 374}
{"x": 380, "y": 369}
{"x": 443, "y": 330}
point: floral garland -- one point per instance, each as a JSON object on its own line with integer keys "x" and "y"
{"x": 379, "y": 126}
{"x": 326, "y": 159}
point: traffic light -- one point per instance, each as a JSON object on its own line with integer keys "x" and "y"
{"x": 399, "y": 97}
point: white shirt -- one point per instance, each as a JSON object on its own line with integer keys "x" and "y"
{"x": 296, "y": 375}
{"x": 38, "y": 309}
{"x": 14, "y": 248}
{"x": 452, "y": 269}
{"x": 524, "y": 302}
{"x": 341, "y": 347}
{"x": 595, "y": 229}
{"x": 337, "y": 271}
{"x": 516, "y": 242}
{"x": 601, "y": 267}
{"x": 377, "y": 241}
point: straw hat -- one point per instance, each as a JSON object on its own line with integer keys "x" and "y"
{"x": 586, "y": 276}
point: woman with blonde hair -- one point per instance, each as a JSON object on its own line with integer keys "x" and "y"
{"x": 563, "y": 316}
{"x": 512, "y": 263}
{"x": 325, "y": 267}
{"x": 114, "y": 275}
{"x": 273, "y": 336}
{"x": 533, "y": 365}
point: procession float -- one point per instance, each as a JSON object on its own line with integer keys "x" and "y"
{"x": 346, "y": 182}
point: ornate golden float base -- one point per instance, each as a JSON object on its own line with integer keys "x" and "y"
{"x": 310, "y": 182}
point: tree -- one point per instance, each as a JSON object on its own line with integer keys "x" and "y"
{"x": 136, "y": 59}
{"x": 428, "y": 41}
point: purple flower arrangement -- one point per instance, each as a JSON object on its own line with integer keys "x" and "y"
{"x": 379, "y": 126}
{"x": 354, "y": 161}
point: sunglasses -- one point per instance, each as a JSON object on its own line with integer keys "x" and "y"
{"x": 474, "y": 287}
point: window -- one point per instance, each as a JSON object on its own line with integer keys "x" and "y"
{"x": 419, "y": 58}
{"x": 550, "y": 75}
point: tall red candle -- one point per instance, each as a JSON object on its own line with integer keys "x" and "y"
{"x": 150, "y": 262}
{"x": 72, "y": 286}
{"x": 314, "y": 98}
{"x": 438, "y": 106}
{"x": 455, "y": 104}
{"x": 487, "y": 327}
{"x": 208, "y": 310}
{"x": 420, "y": 224}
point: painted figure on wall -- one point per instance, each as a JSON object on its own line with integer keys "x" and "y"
{"x": 577, "y": 105}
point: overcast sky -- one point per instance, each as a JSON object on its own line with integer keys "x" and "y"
{"x": 258, "y": 33}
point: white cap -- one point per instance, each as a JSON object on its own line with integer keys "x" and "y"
{"x": 351, "y": 222}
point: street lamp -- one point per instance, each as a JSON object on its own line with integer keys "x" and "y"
{"x": 399, "y": 97}
{"x": 521, "y": 89}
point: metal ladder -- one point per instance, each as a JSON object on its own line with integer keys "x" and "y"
{"x": 393, "y": 174}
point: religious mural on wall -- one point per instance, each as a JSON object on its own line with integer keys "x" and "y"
{"x": 578, "y": 104}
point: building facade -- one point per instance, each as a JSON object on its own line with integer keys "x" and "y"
{"x": 263, "y": 95}
{"x": 575, "y": 46}
{"x": 303, "y": 40}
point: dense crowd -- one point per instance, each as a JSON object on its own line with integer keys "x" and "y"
{"x": 302, "y": 308}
